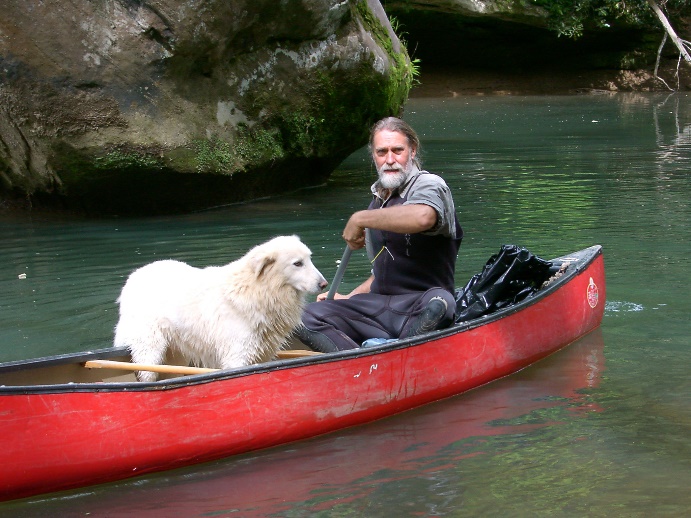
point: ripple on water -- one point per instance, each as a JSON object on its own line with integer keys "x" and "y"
{"x": 618, "y": 306}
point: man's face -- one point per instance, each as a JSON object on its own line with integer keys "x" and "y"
{"x": 393, "y": 157}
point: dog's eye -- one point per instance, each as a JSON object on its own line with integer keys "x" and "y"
{"x": 299, "y": 264}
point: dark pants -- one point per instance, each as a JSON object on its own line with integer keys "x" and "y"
{"x": 345, "y": 324}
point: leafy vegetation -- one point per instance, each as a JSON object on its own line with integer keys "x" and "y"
{"x": 572, "y": 18}
{"x": 119, "y": 159}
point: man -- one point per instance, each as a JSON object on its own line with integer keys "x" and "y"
{"x": 412, "y": 238}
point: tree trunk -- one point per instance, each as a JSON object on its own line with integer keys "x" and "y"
{"x": 673, "y": 35}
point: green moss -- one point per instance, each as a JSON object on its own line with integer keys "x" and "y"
{"x": 251, "y": 146}
{"x": 213, "y": 155}
{"x": 343, "y": 101}
{"x": 305, "y": 132}
{"x": 375, "y": 27}
{"x": 329, "y": 122}
{"x": 258, "y": 144}
{"x": 403, "y": 71}
{"x": 119, "y": 159}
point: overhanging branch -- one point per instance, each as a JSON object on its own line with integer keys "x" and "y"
{"x": 680, "y": 44}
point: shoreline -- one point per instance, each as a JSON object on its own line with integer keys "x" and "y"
{"x": 453, "y": 82}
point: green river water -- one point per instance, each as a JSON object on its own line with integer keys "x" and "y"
{"x": 602, "y": 428}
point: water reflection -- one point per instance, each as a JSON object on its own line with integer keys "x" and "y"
{"x": 672, "y": 120}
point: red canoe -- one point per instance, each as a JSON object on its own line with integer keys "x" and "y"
{"x": 67, "y": 425}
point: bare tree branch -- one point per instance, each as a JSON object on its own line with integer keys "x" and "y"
{"x": 657, "y": 62}
{"x": 672, "y": 34}
{"x": 659, "y": 53}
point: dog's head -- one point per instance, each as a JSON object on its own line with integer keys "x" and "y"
{"x": 286, "y": 261}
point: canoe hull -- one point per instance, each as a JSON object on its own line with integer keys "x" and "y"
{"x": 78, "y": 436}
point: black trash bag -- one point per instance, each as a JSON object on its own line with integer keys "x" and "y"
{"x": 508, "y": 277}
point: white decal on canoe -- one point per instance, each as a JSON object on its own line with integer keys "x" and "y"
{"x": 592, "y": 293}
{"x": 373, "y": 367}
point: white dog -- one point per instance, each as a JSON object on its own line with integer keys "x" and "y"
{"x": 220, "y": 316}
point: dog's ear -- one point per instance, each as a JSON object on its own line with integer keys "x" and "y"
{"x": 261, "y": 263}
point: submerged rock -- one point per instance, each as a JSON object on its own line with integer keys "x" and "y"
{"x": 174, "y": 105}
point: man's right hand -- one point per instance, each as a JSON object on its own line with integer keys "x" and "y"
{"x": 354, "y": 233}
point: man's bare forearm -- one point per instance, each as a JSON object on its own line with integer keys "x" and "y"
{"x": 402, "y": 219}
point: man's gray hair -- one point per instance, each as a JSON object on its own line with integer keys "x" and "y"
{"x": 399, "y": 126}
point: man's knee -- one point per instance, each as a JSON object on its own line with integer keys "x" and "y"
{"x": 316, "y": 341}
{"x": 319, "y": 331}
{"x": 437, "y": 313}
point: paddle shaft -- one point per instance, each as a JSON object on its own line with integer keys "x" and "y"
{"x": 181, "y": 369}
{"x": 339, "y": 273}
{"x": 170, "y": 369}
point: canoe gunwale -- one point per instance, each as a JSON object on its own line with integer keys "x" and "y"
{"x": 581, "y": 261}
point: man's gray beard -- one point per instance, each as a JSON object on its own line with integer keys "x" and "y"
{"x": 394, "y": 180}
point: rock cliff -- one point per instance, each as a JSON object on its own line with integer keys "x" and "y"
{"x": 497, "y": 47}
{"x": 130, "y": 106}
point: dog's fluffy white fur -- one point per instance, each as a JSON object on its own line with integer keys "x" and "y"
{"x": 220, "y": 316}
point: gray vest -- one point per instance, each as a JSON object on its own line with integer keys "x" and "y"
{"x": 406, "y": 263}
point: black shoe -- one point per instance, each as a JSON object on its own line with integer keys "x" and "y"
{"x": 430, "y": 319}
{"x": 316, "y": 341}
